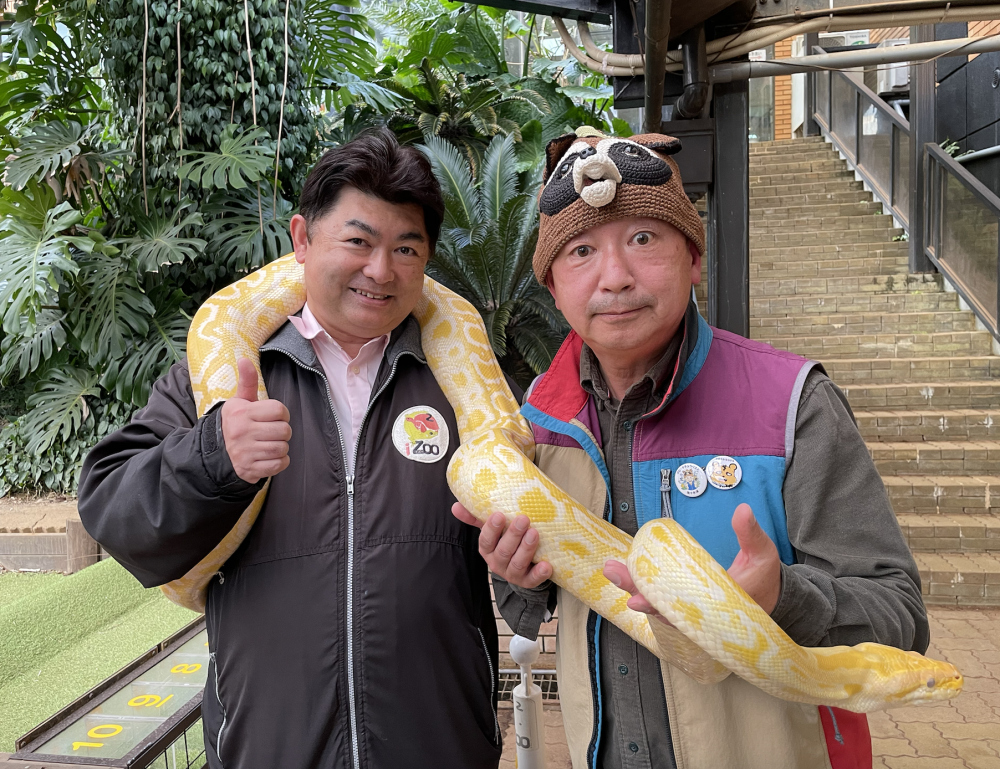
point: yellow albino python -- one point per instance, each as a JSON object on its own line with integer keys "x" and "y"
{"x": 718, "y": 627}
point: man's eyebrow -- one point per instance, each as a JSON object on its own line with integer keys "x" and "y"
{"x": 412, "y": 236}
{"x": 362, "y": 226}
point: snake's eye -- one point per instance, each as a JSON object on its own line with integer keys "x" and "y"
{"x": 930, "y": 683}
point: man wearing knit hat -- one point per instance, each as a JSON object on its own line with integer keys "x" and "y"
{"x": 648, "y": 411}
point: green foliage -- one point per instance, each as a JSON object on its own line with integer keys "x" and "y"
{"x": 484, "y": 254}
{"x": 240, "y": 160}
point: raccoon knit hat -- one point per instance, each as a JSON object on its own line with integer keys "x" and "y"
{"x": 591, "y": 178}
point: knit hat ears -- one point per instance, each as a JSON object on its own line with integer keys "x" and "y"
{"x": 591, "y": 178}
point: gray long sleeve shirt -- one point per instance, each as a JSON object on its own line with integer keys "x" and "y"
{"x": 853, "y": 580}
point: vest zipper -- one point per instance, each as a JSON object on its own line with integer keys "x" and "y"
{"x": 489, "y": 662}
{"x": 349, "y": 480}
{"x": 666, "y": 511}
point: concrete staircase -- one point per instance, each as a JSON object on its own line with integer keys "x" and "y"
{"x": 828, "y": 281}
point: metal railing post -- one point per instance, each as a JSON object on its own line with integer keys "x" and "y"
{"x": 922, "y": 102}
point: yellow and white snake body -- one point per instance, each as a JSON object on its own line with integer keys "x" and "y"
{"x": 718, "y": 628}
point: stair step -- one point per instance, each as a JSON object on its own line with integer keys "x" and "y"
{"x": 950, "y": 533}
{"x": 841, "y": 324}
{"x": 857, "y": 284}
{"x": 804, "y": 237}
{"x": 871, "y": 220}
{"x": 875, "y": 264}
{"x": 854, "y": 205}
{"x": 935, "y": 457}
{"x": 793, "y": 190}
{"x": 847, "y": 372}
{"x": 784, "y": 144}
{"x": 774, "y": 178}
{"x": 932, "y": 394}
{"x": 800, "y": 154}
{"x": 944, "y": 494}
{"x": 822, "y": 164}
{"x": 929, "y": 425}
{"x": 891, "y": 345}
{"x": 825, "y": 251}
{"x": 800, "y": 305}
{"x": 962, "y": 579}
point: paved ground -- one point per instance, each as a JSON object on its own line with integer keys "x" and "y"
{"x": 961, "y": 734}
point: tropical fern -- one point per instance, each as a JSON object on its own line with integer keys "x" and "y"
{"x": 485, "y": 251}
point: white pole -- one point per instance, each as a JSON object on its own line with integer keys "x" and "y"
{"x": 529, "y": 727}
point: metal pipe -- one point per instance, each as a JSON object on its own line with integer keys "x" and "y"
{"x": 696, "y": 85}
{"x": 725, "y": 73}
{"x": 979, "y": 154}
{"x": 902, "y": 6}
{"x": 657, "y": 35}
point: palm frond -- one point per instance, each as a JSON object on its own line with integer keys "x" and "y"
{"x": 537, "y": 342}
{"x": 498, "y": 182}
{"x": 496, "y": 327}
{"x": 517, "y": 218}
{"x": 453, "y": 172}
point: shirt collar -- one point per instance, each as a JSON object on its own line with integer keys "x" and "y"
{"x": 307, "y": 325}
{"x": 658, "y": 378}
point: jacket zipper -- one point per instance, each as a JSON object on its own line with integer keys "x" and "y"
{"x": 489, "y": 662}
{"x": 666, "y": 511}
{"x": 349, "y": 479}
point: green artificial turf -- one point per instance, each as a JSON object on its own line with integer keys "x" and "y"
{"x": 60, "y": 636}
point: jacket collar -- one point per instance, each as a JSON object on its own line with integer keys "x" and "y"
{"x": 560, "y": 395}
{"x": 404, "y": 340}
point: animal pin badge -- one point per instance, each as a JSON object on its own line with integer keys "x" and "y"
{"x": 690, "y": 480}
{"x": 724, "y": 472}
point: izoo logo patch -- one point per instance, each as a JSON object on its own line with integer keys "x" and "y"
{"x": 421, "y": 434}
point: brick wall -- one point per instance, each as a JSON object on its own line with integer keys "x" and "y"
{"x": 889, "y": 33}
{"x": 783, "y": 94}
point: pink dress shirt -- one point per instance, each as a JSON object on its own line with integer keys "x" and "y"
{"x": 350, "y": 379}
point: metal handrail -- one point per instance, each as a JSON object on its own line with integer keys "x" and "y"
{"x": 932, "y": 248}
{"x": 887, "y": 195}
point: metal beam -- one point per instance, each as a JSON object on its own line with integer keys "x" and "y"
{"x": 597, "y": 11}
{"x": 809, "y": 126}
{"x": 922, "y": 128}
{"x": 729, "y": 212}
{"x": 742, "y": 70}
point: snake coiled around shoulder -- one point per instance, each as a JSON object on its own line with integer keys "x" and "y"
{"x": 717, "y": 627}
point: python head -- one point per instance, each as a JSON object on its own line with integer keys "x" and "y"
{"x": 591, "y": 178}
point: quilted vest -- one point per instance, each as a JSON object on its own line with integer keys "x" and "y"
{"x": 735, "y": 398}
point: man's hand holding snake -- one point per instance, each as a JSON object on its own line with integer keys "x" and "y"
{"x": 256, "y": 432}
{"x": 508, "y": 553}
{"x": 757, "y": 567}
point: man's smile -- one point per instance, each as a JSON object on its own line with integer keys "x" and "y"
{"x": 369, "y": 295}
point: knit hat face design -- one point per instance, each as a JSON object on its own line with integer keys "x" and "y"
{"x": 591, "y": 179}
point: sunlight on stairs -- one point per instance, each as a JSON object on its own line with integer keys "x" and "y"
{"x": 828, "y": 281}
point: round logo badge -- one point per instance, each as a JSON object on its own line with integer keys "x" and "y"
{"x": 724, "y": 472}
{"x": 690, "y": 480}
{"x": 421, "y": 434}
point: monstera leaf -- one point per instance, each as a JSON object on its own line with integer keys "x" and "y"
{"x": 58, "y": 406}
{"x": 34, "y": 259}
{"x": 114, "y": 309}
{"x": 239, "y": 161}
{"x": 160, "y": 239}
{"x": 132, "y": 377}
{"x": 48, "y": 148}
{"x": 247, "y": 232}
{"x": 28, "y": 352}
{"x": 337, "y": 39}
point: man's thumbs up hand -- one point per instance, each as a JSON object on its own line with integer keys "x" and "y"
{"x": 757, "y": 567}
{"x": 256, "y": 432}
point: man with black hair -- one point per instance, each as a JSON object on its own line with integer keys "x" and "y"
{"x": 353, "y": 627}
